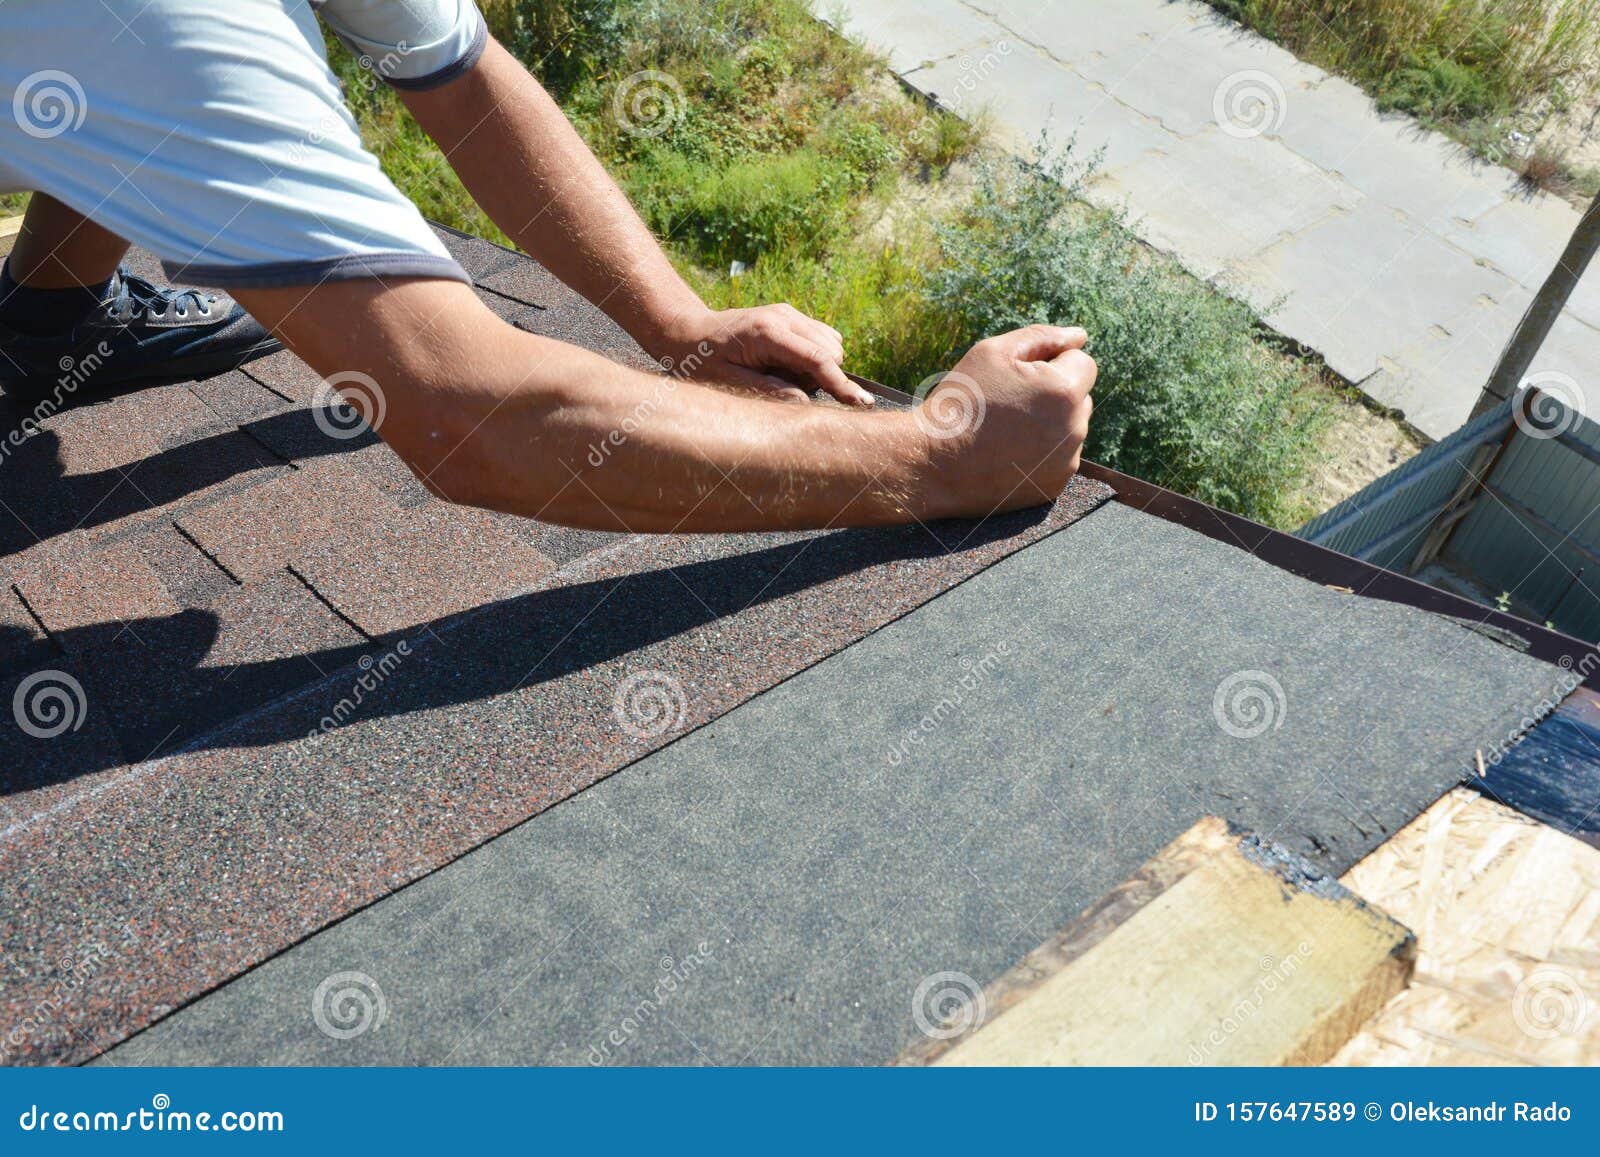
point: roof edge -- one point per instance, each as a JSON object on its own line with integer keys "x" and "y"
{"x": 1331, "y": 568}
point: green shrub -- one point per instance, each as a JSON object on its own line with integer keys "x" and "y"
{"x": 1438, "y": 88}
{"x": 1187, "y": 396}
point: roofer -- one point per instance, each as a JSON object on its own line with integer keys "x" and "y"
{"x": 215, "y": 136}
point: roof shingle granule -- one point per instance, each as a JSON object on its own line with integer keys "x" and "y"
{"x": 222, "y": 557}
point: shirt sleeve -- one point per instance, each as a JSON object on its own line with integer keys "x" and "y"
{"x": 411, "y": 44}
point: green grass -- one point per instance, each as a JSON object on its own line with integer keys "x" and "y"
{"x": 781, "y": 143}
{"x": 1473, "y": 68}
{"x": 771, "y": 175}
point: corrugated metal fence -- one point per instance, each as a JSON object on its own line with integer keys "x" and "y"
{"x": 1510, "y": 502}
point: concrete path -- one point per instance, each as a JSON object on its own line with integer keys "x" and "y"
{"x": 1374, "y": 242}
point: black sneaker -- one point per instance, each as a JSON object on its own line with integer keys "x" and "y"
{"x": 140, "y": 334}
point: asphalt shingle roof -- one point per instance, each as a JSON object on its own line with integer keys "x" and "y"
{"x": 305, "y": 681}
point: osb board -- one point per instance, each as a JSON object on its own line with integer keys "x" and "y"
{"x": 1507, "y": 916}
{"x": 1221, "y": 950}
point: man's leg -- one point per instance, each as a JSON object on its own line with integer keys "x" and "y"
{"x": 60, "y": 248}
{"x": 74, "y": 322}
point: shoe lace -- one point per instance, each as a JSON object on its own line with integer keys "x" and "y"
{"x": 132, "y": 297}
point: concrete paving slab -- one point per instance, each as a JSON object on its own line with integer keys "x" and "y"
{"x": 1365, "y": 285}
{"x": 1073, "y": 31}
{"x": 1523, "y": 238}
{"x": 1215, "y": 200}
{"x": 1196, "y": 73}
{"x": 1030, "y": 95}
{"x": 1390, "y": 158}
{"x": 912, "y": 35}
{"x": 1436, "y": 381}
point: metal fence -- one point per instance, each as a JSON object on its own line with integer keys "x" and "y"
{"x": 1510, "y": 503}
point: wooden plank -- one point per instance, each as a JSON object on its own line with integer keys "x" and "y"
{"x": 1507, "y": 916}
{"x": 1222, "y": 949}
{"x": 9, "y": 228}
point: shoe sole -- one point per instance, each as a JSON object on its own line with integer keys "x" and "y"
{"x": 37, "y": 389}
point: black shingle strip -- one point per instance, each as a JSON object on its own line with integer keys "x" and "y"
{"x": 942, "y": 796}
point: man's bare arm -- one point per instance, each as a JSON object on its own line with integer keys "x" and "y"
{"x": 489, "y": 415}
{"x": 526, "y": 166}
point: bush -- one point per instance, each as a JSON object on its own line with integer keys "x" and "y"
{"x": 1187, "y": 396}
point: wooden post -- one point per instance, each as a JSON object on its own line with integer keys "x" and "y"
{"x": 1547, "y": 306}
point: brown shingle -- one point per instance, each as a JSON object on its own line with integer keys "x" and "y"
{"x": 84, "y": 594}
{"x": 264, "y": 529}
{"x": 421, "y": 565}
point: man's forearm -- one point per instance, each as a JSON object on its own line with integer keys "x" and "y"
{"x": 529, "y": 170}
{"x": 489, "y": 415}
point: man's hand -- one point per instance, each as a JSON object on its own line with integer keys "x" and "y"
{"x": 1006, "y": 427}
{"x": 773, "y": 349}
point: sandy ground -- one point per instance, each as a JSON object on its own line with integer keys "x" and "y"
{"x": 1361, "y": 446}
